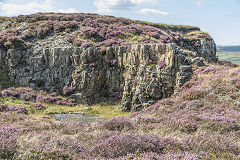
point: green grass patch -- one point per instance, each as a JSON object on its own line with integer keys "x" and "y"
{"x": 229, "y": 56}
{"x": 107, "y": 111}
{"x": 102, "y": 111}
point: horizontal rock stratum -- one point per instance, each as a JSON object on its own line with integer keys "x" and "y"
{"x": 157, "y": 59}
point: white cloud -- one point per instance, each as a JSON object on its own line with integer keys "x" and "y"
{"x": 143, "y": 1}
{"x": 198, "y": 2}
{"x": 10, "y": 9}
{"x": 106, "y": 6}
{"x": 152, "y": 11}
{"x": 69, "y": 10}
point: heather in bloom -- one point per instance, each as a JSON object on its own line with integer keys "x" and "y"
{"x": 68, "y": 90}
{"x": 117, "y": 124}
{"x": 11, "y": 108}
{"x": 126, "y": 143}
{"x": 28, "y": 94}
{"x": 161, "y": 63}
{"x": 88, "y": 30}
{"x": 200, "y": 121}
{"x": 8, "y": 141}
{"x": 38, "y": 106}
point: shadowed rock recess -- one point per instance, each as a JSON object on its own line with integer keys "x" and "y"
{"x": 139, "y": 74}
{"x": 145, "y": 73}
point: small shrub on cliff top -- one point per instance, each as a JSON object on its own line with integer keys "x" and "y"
{"x": 14, "y": 42}
{"x": 86, "y": 44}
{"x": 44, "y": 29}
{"x": 60, "y": 26}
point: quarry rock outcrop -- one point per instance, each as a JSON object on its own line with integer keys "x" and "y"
{"x": 138, "y": 74}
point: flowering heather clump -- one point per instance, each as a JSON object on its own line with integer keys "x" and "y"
{"x": 212, "y": 143}
{"x": 3, "y": 107}
{"x": 49, "y": 151}
{"x": 66, "y": 102}
{"x": 18, "y": 109}
{"x": 194, "y": 93}
{"x": 111, "y": 42}
{"x": 117, "y": 124}
{"x": 60, "y": 26}
{"x": 68, "y": 90}
{"x": 188, "y": 127}
{"x": 28, "y": 94}
{"x": 44, "y": 29}
{"x": 10, "y": 93}
{"x": 8, "y": 142}
{"x": 48, "y": 99}
{"x": 161, "y": 64}
{"x": 122, "y": 144}
{"x": 168, "y": 156}
{"x": 149, "y": 120}
{"x": 86, "y": 44}
{"x": 38, "y": 106}
{"x": 10, "y": 108}
{"x": 14, "y": 42}
{"x": 154, "y": 34}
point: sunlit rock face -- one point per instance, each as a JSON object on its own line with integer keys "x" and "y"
{"x": 138, "y": 74}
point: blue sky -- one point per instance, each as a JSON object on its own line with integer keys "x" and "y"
{"x": 220, "y": 18}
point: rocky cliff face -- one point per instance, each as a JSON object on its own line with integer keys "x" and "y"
{"x": 139, "y": 74}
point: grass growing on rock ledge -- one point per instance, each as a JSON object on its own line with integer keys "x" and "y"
{"x": 201, "y": 121}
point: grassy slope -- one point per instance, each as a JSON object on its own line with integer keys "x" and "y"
{"x": 201, "y": 121}
{"x": 230, "y": 56}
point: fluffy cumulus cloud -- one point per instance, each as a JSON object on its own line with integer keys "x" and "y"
{"x": 107, "y": 6}
{"x": 10, "y": 9}
{"x": 148, "y": 11}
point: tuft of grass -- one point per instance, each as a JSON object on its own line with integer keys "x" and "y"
{"x": 102, "y": 111}
{"x": 106, "y": 111}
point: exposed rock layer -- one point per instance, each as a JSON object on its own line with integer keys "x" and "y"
{"x": 143, "y": 74}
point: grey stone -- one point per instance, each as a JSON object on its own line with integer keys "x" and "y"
{"x": 95, "y": 77}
